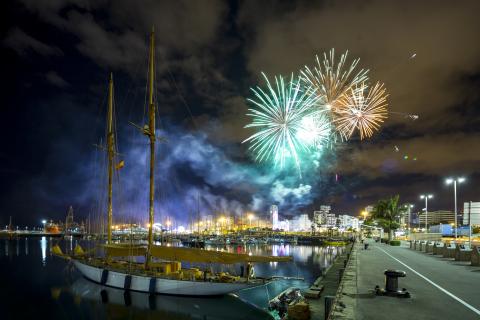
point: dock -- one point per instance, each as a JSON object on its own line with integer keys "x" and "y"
{"x": 439, "y": 288}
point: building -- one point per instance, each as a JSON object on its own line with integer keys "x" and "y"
{"x": 369, "y": 209}
{"x": 474, "y": 209}
{"x": 436, "y": 217}
{"x": 346, "y": 221}
{"x": 274, "y": 216}
{"x": 301, "y": 223}
{"x": 283, "y": 225}
{"x": 323, "y": 217}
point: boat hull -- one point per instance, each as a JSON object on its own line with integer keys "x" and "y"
{"x": 157, "y": 285}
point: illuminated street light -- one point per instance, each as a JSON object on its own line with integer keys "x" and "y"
{"x": 426, "y": 197}
{"x": 364, "y": 214}
{"x": 455, "y": 180}
{"x": 44, "y": 222}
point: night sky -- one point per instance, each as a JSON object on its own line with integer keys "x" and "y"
{"x": 56, "y": 60}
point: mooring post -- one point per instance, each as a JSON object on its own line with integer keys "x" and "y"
{"x": 329, "y": 300}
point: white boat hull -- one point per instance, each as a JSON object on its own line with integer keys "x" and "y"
{"x": 157, "y": 285}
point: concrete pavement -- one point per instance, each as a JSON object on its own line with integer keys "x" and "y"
{"x": 439, "y": 288}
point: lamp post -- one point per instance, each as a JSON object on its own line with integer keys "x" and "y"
{"x": 43, "y": 223}
{"x": 426, "y": 197}
{"x": 454, "y": 181}
{"x": 409, "y": 212}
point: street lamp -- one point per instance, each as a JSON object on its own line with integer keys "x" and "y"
{"x": 364, "y": 214}
{"x": 44, "y": 222}
{"x": 409, "y": 208}
{"x": 426, "y": 197}
{"x": 454, "y": 181}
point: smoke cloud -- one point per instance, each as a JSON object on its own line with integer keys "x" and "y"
{"x": 194, "y": 176}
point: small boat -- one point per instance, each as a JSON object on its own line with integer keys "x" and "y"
{"x": 291, "y": 299}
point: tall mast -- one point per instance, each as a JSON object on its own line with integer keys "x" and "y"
{"x": 111, "y": 151}
{"x": 151, "y": 135}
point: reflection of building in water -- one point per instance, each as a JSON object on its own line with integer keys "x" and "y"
{"x": 26, "y": 246}
{"x": 280, "y": 250}
{"x": 43, "y": 248}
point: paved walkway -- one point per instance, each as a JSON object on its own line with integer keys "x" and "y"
{"x": 440, "y": 288}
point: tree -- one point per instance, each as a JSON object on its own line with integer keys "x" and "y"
{"x": 387, "y": 213}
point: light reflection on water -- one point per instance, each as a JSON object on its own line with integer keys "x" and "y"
{"x": 61, "y": 293}
{"x": 43, "y": 247}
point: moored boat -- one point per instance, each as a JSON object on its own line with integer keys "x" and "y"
{"x": 160, "y": 270}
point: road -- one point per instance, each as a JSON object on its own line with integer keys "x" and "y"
{"x": 440, "y": 288}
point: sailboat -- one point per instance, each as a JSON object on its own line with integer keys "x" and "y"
{"x": 161, "y": 272}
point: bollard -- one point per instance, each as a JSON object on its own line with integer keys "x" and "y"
{"x": 340, "y": 274}
{"x": 329, "y": 300}
{"x": 391, "y": 285}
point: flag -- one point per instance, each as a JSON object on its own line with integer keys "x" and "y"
{"x": 120, "y": 165}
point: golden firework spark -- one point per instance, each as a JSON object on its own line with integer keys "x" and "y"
{"x": 331, "y": 80}
{"x": 363, "y": 109}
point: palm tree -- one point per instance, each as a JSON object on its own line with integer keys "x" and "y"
{"x": 387, "y": 213}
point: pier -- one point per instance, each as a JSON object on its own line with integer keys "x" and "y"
{"x": 440, "y": 288}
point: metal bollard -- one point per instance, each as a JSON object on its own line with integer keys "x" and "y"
{"x": 329, "y": 301}
{"x": 340, "y": 274}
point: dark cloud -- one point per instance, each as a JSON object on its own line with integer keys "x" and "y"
{"x": 23, "y": 43}
{"x": 55, "y": 79}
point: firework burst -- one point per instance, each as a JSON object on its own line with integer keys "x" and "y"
{"x": 331, "y": 80}
{"x": 281, "y": 114}
{"x": 361, "y": 108}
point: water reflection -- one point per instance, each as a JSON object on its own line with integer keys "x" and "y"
{"x": 92, "y": 303}
{"x": 161, "y": 306}
{"x": 43, "y": 247}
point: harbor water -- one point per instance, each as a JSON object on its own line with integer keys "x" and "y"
{"x": 35, "y": 284}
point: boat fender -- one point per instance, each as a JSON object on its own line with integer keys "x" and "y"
{"x": 128, "y": 282}
{"x": 104, "y": 278}
{"x": 152, "y": 286}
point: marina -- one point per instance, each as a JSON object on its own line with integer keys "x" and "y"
{"x": 62, "y": 291}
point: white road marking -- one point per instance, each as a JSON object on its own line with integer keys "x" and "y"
{"x": 469, "y": 306}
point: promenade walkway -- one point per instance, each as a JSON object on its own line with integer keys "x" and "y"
{"x": 440, "y": 288}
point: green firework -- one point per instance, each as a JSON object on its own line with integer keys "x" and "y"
{"x": 287, "y": 121}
